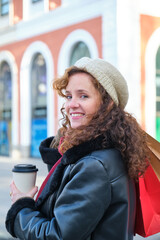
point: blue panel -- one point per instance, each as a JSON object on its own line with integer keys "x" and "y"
{"x": 4, "y": 141}
{"x": 158, "y": 129}
{"x": 39, "y": 133}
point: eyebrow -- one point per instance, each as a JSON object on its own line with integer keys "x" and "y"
{"x": 79, "y": 91}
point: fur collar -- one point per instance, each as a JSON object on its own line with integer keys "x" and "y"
{"x": 75, "y": 153}
{"x": 49, "y": 155}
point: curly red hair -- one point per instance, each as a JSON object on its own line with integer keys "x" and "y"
{"x": 119, "y": 128}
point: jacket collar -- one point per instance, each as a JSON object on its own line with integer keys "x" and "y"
{"x": 51, "y": 155}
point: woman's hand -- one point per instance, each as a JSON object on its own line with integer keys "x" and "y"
{"x": 16, "y": 194}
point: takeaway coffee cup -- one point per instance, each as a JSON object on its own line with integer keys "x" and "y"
{"x": 24, "y": 176}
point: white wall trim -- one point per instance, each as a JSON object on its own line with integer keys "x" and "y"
{"x": 25, "y": 92}
{"x": 128, "y": 52}
{"x": 9, "y": 58}
{"x": 32, "y": 10}
{"x": 150, "y": 84}
{"x": 66, "y": 50}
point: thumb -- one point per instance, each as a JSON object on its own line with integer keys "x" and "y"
{"x": 33, "y": 191}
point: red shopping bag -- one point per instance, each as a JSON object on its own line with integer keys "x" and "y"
{"x": 148, "y": 204}
{"x": 148, "y": 194}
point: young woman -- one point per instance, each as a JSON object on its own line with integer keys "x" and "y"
{"x": 96, "y": 156}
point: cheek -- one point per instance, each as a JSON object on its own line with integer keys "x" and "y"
{"x": 96, "y": 105}
{"x": 92, "y": 108}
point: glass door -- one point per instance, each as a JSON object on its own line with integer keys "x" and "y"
{"x": 38, "y": 102}
{"x": 5, "y": 108}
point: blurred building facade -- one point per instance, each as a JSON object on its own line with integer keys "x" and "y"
{"x": 40, "y": 38}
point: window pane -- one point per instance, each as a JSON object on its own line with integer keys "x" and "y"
{"x": 5, "y": 91}
{"x": 39, "y": 103}
{"x": 158, "y": 106}
{"x": 38, "y": 78}
{"x": 158, "y": 59}
{"x": 4, "y": 7}
{"x": 5, "y": 108}
{"x": 158, "y": 128}
{"x": 158, "y": 85}
{"x": 80, "y": 50}
{"x": 33, "y": 1}
{"x": 5, "y": 10}
{"x": 4, "y": 1}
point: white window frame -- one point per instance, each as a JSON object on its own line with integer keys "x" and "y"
{"x": 25, "y": 93}
{"x": 9, "y": 58}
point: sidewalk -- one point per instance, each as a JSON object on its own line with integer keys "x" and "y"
{"x": 5, "y": 179}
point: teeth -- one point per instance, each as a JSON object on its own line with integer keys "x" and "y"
{"x": 76, "y": 114}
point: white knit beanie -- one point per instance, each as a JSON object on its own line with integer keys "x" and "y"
{"x": 108, "y": 76}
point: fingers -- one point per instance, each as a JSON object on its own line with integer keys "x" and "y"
{"x": 15, "y": 194}
{"x": 13, "y": 189}
{"x": 32, "y": 192}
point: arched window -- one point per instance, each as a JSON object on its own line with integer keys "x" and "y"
{"x": 38, "y": 102}
{"x": 38, "y": 83}
{"x": 80, "y": 50}
{"x": 5, "y": 108}
{"x": 158, "y": 95}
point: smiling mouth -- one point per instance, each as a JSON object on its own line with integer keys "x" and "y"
{"x": 77, "y": 114}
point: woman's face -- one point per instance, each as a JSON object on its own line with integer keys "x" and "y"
{"x": 82, "y": 99}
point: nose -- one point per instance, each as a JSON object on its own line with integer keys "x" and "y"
{"x": 73, "y": 103}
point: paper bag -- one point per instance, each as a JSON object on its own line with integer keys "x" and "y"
{"x": 154, "y": 152}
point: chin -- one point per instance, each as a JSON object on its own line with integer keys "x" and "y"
{"x": 74, "y": 126}
{"x": 77, "y": 124}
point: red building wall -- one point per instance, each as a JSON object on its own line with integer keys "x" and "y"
{"x": 54, "y": 3}
{"x": 17, "y": 11}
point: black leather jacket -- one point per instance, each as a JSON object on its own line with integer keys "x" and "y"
{"x": 89, "y": 197}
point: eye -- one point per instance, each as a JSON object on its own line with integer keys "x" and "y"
{"x": 68, "y": 96}
{"x": 84, "y": 96}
